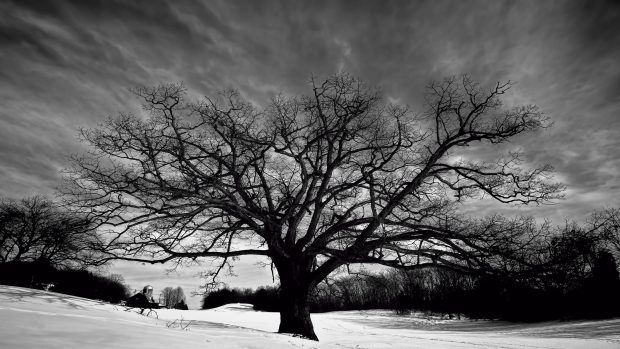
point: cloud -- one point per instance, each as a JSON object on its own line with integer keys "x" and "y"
{"x": 69, "y": 64}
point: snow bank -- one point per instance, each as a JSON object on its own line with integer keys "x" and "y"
{"x": 235, "y": 306}
{"x": 38, "y": 319}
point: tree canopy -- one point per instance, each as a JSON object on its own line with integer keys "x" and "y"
{"x": 36, "y": 229}
{"x": 314, "y": 182}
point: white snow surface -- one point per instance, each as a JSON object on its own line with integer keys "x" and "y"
{"x": 38, "y": 319}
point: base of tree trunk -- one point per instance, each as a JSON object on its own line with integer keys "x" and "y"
{"x": 299, "y": 330}
{"x": 294, "y": 298}
{"x": 295, "y": 315}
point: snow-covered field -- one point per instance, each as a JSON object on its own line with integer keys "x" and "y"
{"x": 38, "y": 319}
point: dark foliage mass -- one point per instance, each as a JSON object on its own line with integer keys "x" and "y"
{"x": 454, "y": 294}
{"x": 264, "y": 298}
{"x": 595, "y": 296}
{"x": 82, "y": 283}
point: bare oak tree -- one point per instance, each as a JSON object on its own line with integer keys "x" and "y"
{"x": 313, "y": 183}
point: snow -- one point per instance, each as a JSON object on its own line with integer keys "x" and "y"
{"x": 39, "y": 319}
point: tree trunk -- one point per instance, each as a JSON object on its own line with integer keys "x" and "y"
{"x": 295, "y": 311}
{"x": 295, "y": 289}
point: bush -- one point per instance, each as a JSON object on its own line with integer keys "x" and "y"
{"x": 264, "y": 298}
{"x": 80, "y": 283}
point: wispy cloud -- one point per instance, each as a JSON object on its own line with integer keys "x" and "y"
{"x": 69, "y": 64}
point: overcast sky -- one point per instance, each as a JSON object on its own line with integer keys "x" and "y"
{"x": 69, "y": 64}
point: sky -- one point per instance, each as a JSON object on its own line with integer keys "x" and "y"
{"x": 66, "y": 65}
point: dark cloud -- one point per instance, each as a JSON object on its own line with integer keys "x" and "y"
{"x": 69, "y": 64}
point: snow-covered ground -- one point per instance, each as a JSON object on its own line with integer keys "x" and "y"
{"x": 38, "y": 319}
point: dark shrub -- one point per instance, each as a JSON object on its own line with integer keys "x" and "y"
{"x": 82, "y": 283}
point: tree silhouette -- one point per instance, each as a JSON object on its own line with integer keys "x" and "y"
{"x": 37, "y": 229}
{"x": 313, "y": 182}
{"x": 604, "y": 285}
{"x": 606, "y": 223}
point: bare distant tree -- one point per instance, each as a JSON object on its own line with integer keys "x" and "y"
{"x": 170, "y": 297}
{"x": 117, "y": 278}
{"x": 34, "y": 229}
{"x": 607, "y": 224}
{"x": 313, "y": 182}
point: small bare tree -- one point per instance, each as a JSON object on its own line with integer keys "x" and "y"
{"x": 36, "y": 229}
{"x": 607, "y": 225}
{"x": 313, "y": 182}
{"x": 170, "y": 296}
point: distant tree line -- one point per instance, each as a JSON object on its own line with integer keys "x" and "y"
{"x": 451, "y": 293}
{"x": 45, "y": 246}
{"x": 78, "y": 282}
{"x": 264, "y": 298}
{"x": 579, "y": 279}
